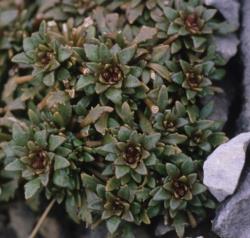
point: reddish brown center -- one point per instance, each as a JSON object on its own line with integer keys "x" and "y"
{"x": 112, "y": 75}
{"x": 193, "y": 79}
{"x": 45, "y": 57}
{"x": 197, "y": 138}
{"x": 39, "y": 161}
{"x": 132, "y": 154}
{"x": 192, "y": 23}
{"x": 169, "y": 124}
{"x": 180, "y": 189}
{"x": 117, "y": 206}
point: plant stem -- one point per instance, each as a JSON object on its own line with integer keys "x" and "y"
{"x": 23, "y": 79}
{"x": 171, "y": 39}
{"x": 42, "y": 219}
{"x": 153, "y": 108}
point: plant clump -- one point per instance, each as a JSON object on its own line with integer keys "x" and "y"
{"x": 103, "y": 108}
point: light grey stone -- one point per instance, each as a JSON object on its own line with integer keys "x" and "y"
{"x": 227, "y": 45}
{"x": 229, "y": 9}
{"x": 232, "y": 219}
{"x": 221, "y": 106}
{"x": 223, "y": 167}
{"x": 244, "y": 121}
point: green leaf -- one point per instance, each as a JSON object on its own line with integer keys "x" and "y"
{"x": 198, "y": 188}
{"x": 176, "y": 46}
{"x": 126, "y": 54}
{"x": 208, "y": 14}
{"x": 61, "y": 178}
{"x": 175, "y": 139}
{"x": 114, "y": 95}
{"x": 92, "y": 52}
{"x": 124, "y": 133}
{"x": 173, "y": 29}
{"x": 55, "y": 141}
{"x": 121, "y": 170}
{"x": 62, "y": 74}
{"x": 132, "y": 82}
{"x": 84, "y": 81}
{"x": 104, "y": 53}
{"x": 49, "y": 79}
{"x": 33, "y": 117}
{"x": 145, "y": 33}
{"x": 94, "y": 114}
{"x": 193, "y": 113}
{"x": 124, "y": 193}
{"x": 172, "y": 171}
{"x": 162, "y": 99}
{"x": 141, "y": 169}
{"x": 89, "y": 182}
{"x": 64, "y": 54}
{"x": 21, "y": 58}
{"x": 170, "y": 13}
{"x": 207, "y": 110}
{"x": 150, "y": 141}
{"x": 41, "y": 138}
{"x": 8, "y": 190}
{"x": 187, "y": 166}
{"x": 20, "y": 135}
{"x": 161, "y": 195}
{"x": 113, "y": 224}
{"x": 15, "y": 165}
{"x": 31, "y": 188}
{"x": 174, "y": 203}
{"x": 112, "y": 184}
{"x": 107, "y": 148}
{"x": 42, "y": 28}
{"x": 198, "y": 41}
{"x": 28, "y": 44}
{"x": 178, "y": 78}
{"x": 145, "y": 124}
{"x": 161, "y": 70}
{"x": 217, "y": 138}
{"x": 61, "y": 162}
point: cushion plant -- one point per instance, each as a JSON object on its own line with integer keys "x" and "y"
{"x": 103, "y": 108}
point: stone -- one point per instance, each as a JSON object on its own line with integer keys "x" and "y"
{"x": 244, "y": 121}
{"x": 230, "y": 9}
{"x": 51, "y": 228}
{"x": 227, "y": 45}
{"x": 22, "y": 219}
{"x": 232, "y": 219}
{"x": 221, "y": 106}
{"x": 222, "y": 169}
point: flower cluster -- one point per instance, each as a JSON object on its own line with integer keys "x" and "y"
{"x": 104, "y": 111}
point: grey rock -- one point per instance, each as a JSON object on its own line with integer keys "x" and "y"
{"x": 227, "y": 45}
{"x": 222, "y": 169}
{"x": 229, "y": 9}
{"x": 21, "y": 219}
{"x": 51, "y": 228}
{"x": 232, "y": 219}
{"x": 244, "y": 121}
{"x": 221, "y": 106}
